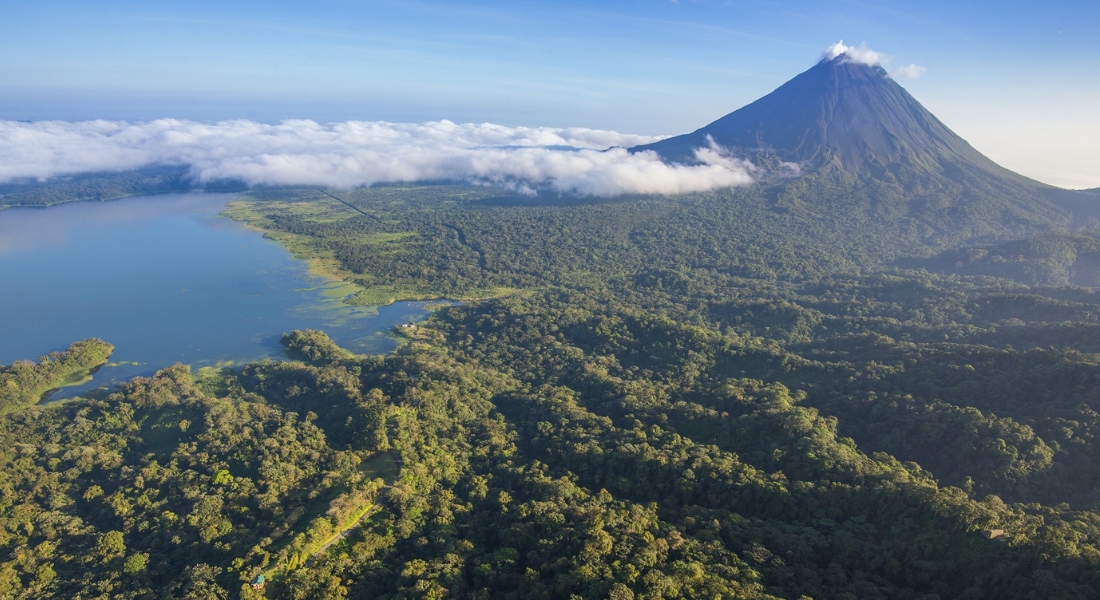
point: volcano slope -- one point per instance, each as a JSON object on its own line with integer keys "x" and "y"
{"x": 735, "y": 394}
{"x": 851, "y": 130}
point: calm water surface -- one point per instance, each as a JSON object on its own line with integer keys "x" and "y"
{"x": 166, "y": 280}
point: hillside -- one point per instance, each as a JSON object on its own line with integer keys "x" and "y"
{"x": 1046, "y": 260}
{"x": 682, "y": 415}
{"x": 874, "y": 380}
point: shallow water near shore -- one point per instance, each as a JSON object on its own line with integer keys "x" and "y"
{"x": 165, "y": 279}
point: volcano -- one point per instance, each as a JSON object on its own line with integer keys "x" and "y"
{"x": 840, "y": 113}
{"x": 851, "y": 131}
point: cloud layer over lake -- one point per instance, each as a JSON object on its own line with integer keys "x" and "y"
{"x": 302, "y": 152}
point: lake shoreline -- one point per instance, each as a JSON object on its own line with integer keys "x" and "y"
{"x": 169, "y": 280}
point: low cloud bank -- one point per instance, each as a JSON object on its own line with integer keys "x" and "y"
{"x": 865, "y": 56}
{"x": 302, "y": 152}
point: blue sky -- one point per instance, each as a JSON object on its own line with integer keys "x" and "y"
{"x": 1021, "y": 81}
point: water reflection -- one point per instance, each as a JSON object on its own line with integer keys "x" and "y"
{"x": 23, "y": 230}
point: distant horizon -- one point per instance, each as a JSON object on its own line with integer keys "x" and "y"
{"x": 592, "y": 139}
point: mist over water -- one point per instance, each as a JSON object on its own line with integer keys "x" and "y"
{"x": 166, "y": 280}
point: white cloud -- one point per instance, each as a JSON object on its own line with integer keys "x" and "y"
{"x": 861, "y": 54}
{"x": 303, "y": 152}
{"x": 866, "y": 56}
{"x": 908, "y": 71}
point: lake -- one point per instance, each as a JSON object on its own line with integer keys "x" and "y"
{"x": 165, "y": 279}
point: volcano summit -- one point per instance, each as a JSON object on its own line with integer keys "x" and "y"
{"x": 841, "y": 112}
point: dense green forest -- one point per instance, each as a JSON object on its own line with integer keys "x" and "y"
{"x": 1044, "y": 260}
{"x": 736, "y": 394}
{"x": 23, "y": 383}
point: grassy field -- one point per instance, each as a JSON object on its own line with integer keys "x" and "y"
{"x": 269, "y": 212}
{"x": 381, "y": 466}
{"x": 324, "y": 530}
